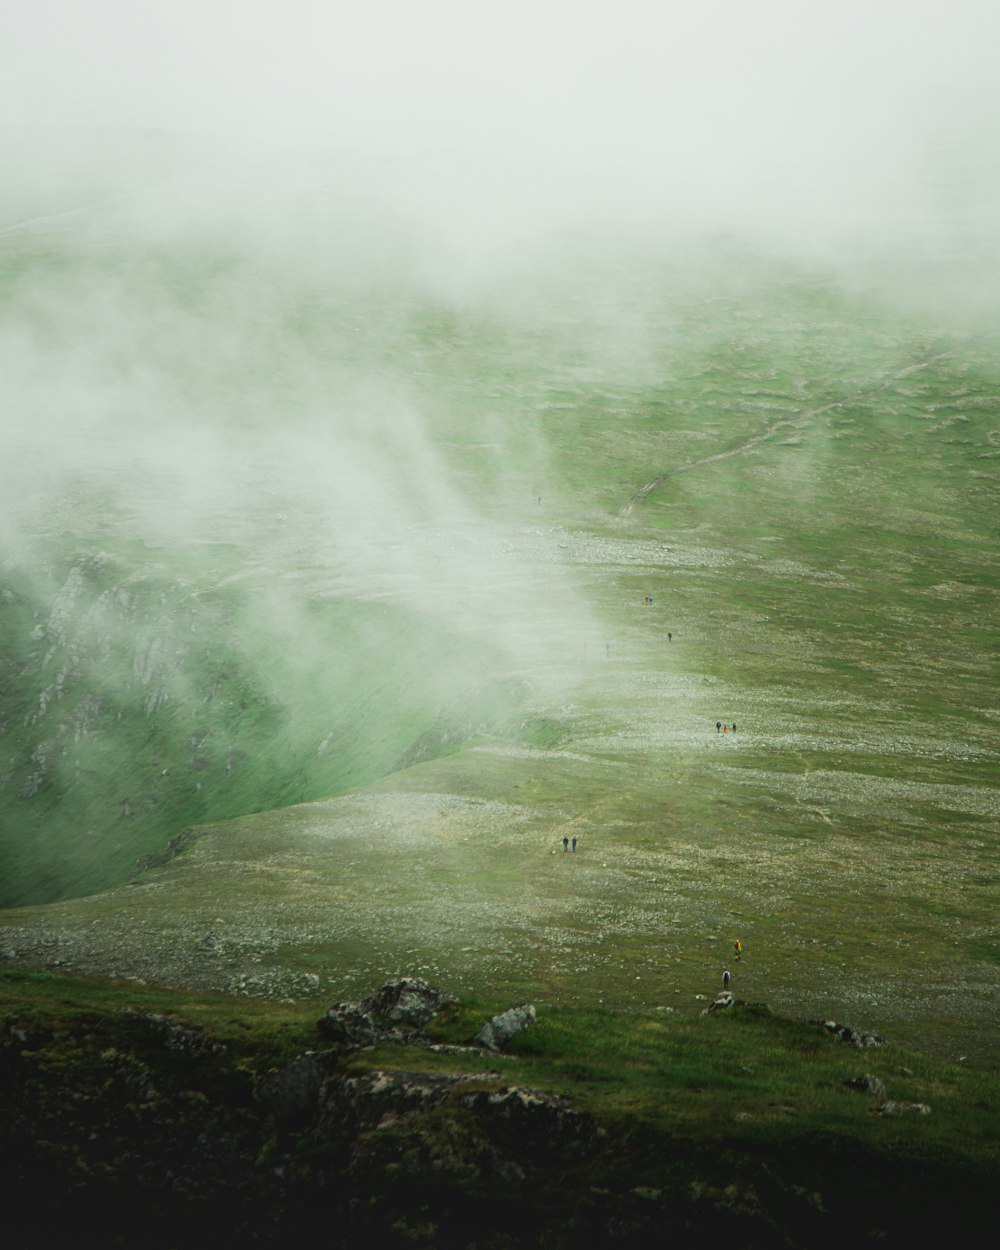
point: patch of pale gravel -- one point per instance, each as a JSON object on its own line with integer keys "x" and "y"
{"x": 873, "y": 789}
{"x": 517, "y": 752}
{"x": 619, "y": 556}
{"x": 409, "y": 819}
{"x": 889, "y": 744}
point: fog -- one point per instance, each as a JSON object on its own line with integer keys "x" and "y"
{"x": 303, "y": 307}
{"x": 399, "y": 151}
{"x": 797, "y": 117}
{"x": 224, "y": 228}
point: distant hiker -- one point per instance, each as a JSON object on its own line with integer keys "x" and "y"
{"x": 718, "y": 726}
{"x": 725, "y": 729}
{"x": 670, "y": 636}
{"x": 565, "y": 844}
{"x": 725, "y": 979}
{"x": 574, "y": 846}
{"x": 734, "y": 726}
{"x": 738, "y": 950}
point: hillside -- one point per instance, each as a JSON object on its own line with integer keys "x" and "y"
{"x": 162, "y": 1118}
{"x": 394, "y": 543}
{"x": 540, "y": 630}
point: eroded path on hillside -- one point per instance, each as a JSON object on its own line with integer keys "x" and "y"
{"x": 797, "y": 421}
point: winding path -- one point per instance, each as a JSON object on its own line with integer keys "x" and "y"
{"x": 795, "y": 422}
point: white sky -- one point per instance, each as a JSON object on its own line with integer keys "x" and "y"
{"x": 757, "y": 108}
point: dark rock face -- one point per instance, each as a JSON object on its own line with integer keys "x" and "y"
{"x": 454, "y": 1134}
{"x": 295, "y": 1088}
{"x": 532, "y": 1124}
{"x": 392, "y": 1013}
{"x": 132, "y": 1129}
{"x": 495, "y": 1033}
{"x": 345, "y": 1024}
{"x": 406, "y": 1001}
{"x": 380, "y": 1099}
{"x": 177, "y": 1036}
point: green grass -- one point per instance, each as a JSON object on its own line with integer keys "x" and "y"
{"x": 229, "y": 714}
{"x": 743, "y": 1111}
{"x": 830, "y": 586}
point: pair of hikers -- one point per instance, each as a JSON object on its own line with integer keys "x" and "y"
{"x": 738, "y": 955}
{"x": 566, "y": 845}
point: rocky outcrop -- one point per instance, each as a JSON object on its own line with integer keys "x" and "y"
{"x": 407, "y": 1002}
{"x": 868, "y": 1084}
{"x": 380, "y": 1099}
{"x": 851, "y": 1036}
{"x": 138, "y": 1128}
{"x": 394, "y": 1013}
{"x": 177, "y": 844}
{"x": 466, "y": 1135}
{"x": 495, "y": 1033}
{"x": 891, "y": 1107}
{"x": 532, "y": 1124}
{"x": 726, "y": 999}
{"x": 345, "y": 1024}
{"x": 174, "y": 1035}
{"x": 294, "y": 1090}
{"x": 398, "y": 1010}
{"x": 461, "y": 1129}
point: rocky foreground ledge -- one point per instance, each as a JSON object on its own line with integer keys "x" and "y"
{"x": 504, "y": 1127}
{"x": 151, "y": 1132}
{"x": 143, "y": 1128}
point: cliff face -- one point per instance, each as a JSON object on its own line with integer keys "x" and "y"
{"x": 138, "y": 698}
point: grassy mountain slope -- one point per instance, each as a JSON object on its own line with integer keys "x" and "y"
{"x": 800, "y": 473}
{"x": 135, "y": 705}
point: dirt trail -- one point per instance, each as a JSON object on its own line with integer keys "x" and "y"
{"x": 796, "y": 422}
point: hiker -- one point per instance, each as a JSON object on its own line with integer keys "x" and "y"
{"x": 738, "y": 950}
{"x": 734, "y": 726}
{"x": 725, "y": 978}
{"x": 725, "y": 729}
{"x": 718, "y": 726}
{"x": 574, "y": 846}
{"x": 565, "y": 844}
{"x": 670, "y": 636}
